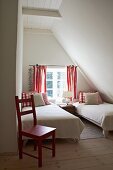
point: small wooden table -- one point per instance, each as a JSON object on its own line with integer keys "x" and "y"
{"x": 69, "y": 108}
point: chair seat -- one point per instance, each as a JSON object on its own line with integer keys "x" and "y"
{"x": 38, "y": 131}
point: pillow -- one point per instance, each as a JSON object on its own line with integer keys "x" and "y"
{"x": 45, "y": 98}
{"x": 81, "y": 97}
{"x": 91, "y": 98}
{"x": 38, "y": 99}
{"x": 26, "y": 95}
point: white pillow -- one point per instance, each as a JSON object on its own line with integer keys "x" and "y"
{"x": 38, "y": 99}
{"x": 91, "y": 98}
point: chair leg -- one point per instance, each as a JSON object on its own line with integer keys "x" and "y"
{"x": 35, "y": 145}
{"x": 40, "y": 153}
{"x": 20, "y": 147}
{"x": 53, "y": 143}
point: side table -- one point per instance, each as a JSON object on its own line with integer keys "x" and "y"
{"x": 69, "y": 108}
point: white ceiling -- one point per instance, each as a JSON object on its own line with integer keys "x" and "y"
{"x": 41, "y": 22}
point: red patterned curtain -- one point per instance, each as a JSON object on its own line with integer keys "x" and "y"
{"x": 72, "y": 79}
{"x": 39, "y": 78}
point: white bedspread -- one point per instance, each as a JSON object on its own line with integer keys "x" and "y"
{"x": 101, "y": 114}
{"x": 66, "y": 124}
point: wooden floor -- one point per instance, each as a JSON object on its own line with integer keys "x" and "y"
{"x": 91, "y": 154}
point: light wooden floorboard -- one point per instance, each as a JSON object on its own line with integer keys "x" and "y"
{"x": 91, "y": 154}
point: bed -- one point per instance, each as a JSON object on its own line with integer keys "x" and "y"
{"x": 67, "y": 125}
{"x": 101, "y": 115}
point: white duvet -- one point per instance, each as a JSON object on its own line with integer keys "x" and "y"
{"x": 102, "y": 114}
{"x": 66, "y": 124}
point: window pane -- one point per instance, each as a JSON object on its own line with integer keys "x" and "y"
{"x": 58, "y": 93}
{"x": 49, "y": 75}
{"x": 50, "y": 93}
{"x": 58, "y": 84}
{"x": 60, "y": 75}
{"x": 49, "y": 84}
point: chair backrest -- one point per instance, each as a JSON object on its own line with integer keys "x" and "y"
{"x": 20, "y": 112}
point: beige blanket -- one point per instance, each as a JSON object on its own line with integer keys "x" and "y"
{"x": 102, "y": 114}
{"x": 66, "y": 124}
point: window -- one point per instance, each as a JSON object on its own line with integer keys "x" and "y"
{"x": 56, "y": 81}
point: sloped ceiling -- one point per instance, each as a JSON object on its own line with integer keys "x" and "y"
{"x": 86, "y": 33}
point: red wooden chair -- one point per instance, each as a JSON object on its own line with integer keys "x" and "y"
{"x": 37, "y": 132}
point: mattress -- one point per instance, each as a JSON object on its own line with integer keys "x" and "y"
{"x": 66, "y": 124}
{"x": 101, "y": 114}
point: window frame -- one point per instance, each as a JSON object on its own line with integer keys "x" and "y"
{"x": 55, "y": 80}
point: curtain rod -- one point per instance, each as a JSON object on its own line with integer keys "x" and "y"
{"x": 51, "y": 65}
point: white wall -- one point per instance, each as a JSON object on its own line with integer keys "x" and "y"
{"x": 83, "y": 83}
{"x": 19, "y": 57}
{"x": 8, "y": 39}
{"x": 86, "y": 33}
{"x": 41, "y": 47}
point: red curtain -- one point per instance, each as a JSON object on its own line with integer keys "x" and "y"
{"x": 72, "y": 79}
{"x": 39, "y": 78}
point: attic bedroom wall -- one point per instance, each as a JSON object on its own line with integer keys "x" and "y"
{"x": 19, "y": 57}
{"x": 41, "y": 47}
{"x": 8, "y": 41}
{"x": 86, "y": 33}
